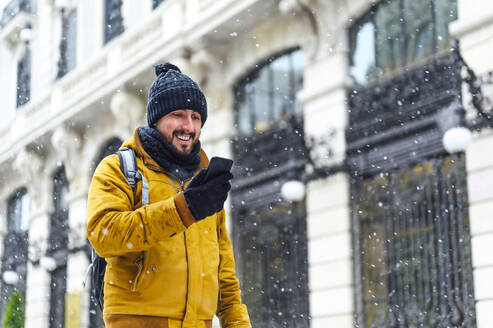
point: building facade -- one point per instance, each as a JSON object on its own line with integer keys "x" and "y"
{"x": 352, "y": 98}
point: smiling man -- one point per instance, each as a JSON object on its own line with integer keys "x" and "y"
{"x": 170, "y": 262}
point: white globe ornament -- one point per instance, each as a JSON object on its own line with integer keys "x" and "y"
{"x": 26, "y": 34}
{"x": 293, "y": 191}
{"x": 10, "y": 277}
{"x": 457, "y": 139}
{"x": 61, "y": 4}
{"x": 48, "y": 263}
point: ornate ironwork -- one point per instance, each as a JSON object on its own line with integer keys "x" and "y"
{"x": 395, "y": 122}
{"x": 484, "y": 116}
{"x": 269, "y": 234}
{"x": 113, "y": 20}
{"x": 12, "y": 9}
{"x": 413, "y": 247}
{"x": 269, "y": 150}
{"x": 273, "y": 263}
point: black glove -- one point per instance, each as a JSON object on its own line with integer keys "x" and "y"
{"x": 206, "y": 197}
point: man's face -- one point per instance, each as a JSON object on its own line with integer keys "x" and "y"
{"x": 181, "y": 128}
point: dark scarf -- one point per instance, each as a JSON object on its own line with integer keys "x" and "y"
{"x": 177, "y": 164}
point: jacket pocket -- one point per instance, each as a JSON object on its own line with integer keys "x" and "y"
{"x": 141, "y": 262}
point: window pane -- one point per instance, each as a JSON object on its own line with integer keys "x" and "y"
{"x": 363, "y": 52}
{"x": 388, "y": 43}
{"x": 261, "y": 107}
{"x": 419, "y": 36}
{"x": 259, "y": 97}
{"x": 25, "y": 212}
{"x": 244, "y": 119}
{"x": 19, "y": 213}
{"x": 446, "y": 12}
{"x": 71, "y": 34}
{"x": 282, "y": 88}
{"x": 268, "y": 95}
{"x": 24, "y": 79}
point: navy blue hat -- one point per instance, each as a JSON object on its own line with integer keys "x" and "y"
{"x": 173, "y": 90}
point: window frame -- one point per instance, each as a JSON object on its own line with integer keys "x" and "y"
{"x": 370, "y": 16}
{"x": 242, "y": 95}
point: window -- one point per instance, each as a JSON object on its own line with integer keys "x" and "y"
{"x": 156, "y": 3}
{"x": 68, "y": 43}
{"x": 269, "y": 235}
{"x": 272, "y": 258}
{"x": 414, "y": 247}
{"x": 15, "y": 244}
{"x": 268, "y": 95}
{"x": 113, "y": 20}
{"x": 58, "y": 249}
{"x": 19, "y": 211}
{"x": 11, "y": 9}
{"x": 24, "y": 79}
{"x": 398, "y": 33}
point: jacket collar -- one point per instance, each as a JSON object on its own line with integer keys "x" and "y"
{"x": 135, "y": 143}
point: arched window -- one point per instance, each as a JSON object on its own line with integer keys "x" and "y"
{"x": 269, "y": 235}
{"x": 58, "y": 249}
{"x": 267, "y": 95}
{"x": 409, "y": 203}
{"x": 395, "y": 34}
{"x": 15, "y": 245}
{"x": 110, "y": 147}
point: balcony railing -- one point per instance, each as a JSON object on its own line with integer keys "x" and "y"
{"x": 12, "y": 9}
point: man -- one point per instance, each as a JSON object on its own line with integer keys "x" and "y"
{"x": 170, "y": 263}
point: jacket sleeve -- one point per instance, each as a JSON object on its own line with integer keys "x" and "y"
{"x": 113, "y": 227}
{"x": 231, "y": 313}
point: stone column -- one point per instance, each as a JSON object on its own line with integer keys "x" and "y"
{"x": 30, "y": 167}
{"x": 328, "y": 215}
{"x": 473, "y": 29}
{"x": 68, "y": 145}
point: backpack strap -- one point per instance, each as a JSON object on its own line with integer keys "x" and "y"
{"x": 128, "y": 165}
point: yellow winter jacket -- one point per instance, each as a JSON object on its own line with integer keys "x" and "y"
{"x": 160, "y": 261}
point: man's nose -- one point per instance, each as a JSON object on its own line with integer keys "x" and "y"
{"x": 187, "y": 123}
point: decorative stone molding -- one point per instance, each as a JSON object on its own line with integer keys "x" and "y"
{"x": 67, "y": 145}
{"x": 11, "y": 34}
{"x": 206, "y": 68}
{"x": 292, "y": 7}
{"x": 325, "y": 19}
{"x": 31, "y": 169}
{"x": 128, "y": 110}
{"x": 202, "y": 63}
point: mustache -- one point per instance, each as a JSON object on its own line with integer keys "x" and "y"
{"x": 191, "y": 134}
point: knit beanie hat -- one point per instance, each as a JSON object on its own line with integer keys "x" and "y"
{"x": 173, "y": 90}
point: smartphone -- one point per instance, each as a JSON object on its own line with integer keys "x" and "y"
{"x": 217, "y": 166}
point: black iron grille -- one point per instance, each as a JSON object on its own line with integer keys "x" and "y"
{"x": 413, "y": 247}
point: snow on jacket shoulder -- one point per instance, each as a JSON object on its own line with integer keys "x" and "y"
{"x": 160, "y": 261}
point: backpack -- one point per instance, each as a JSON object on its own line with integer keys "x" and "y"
{"x": 97, "y": 268}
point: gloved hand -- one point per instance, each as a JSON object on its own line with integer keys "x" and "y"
{"x": 206, "y": 197}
